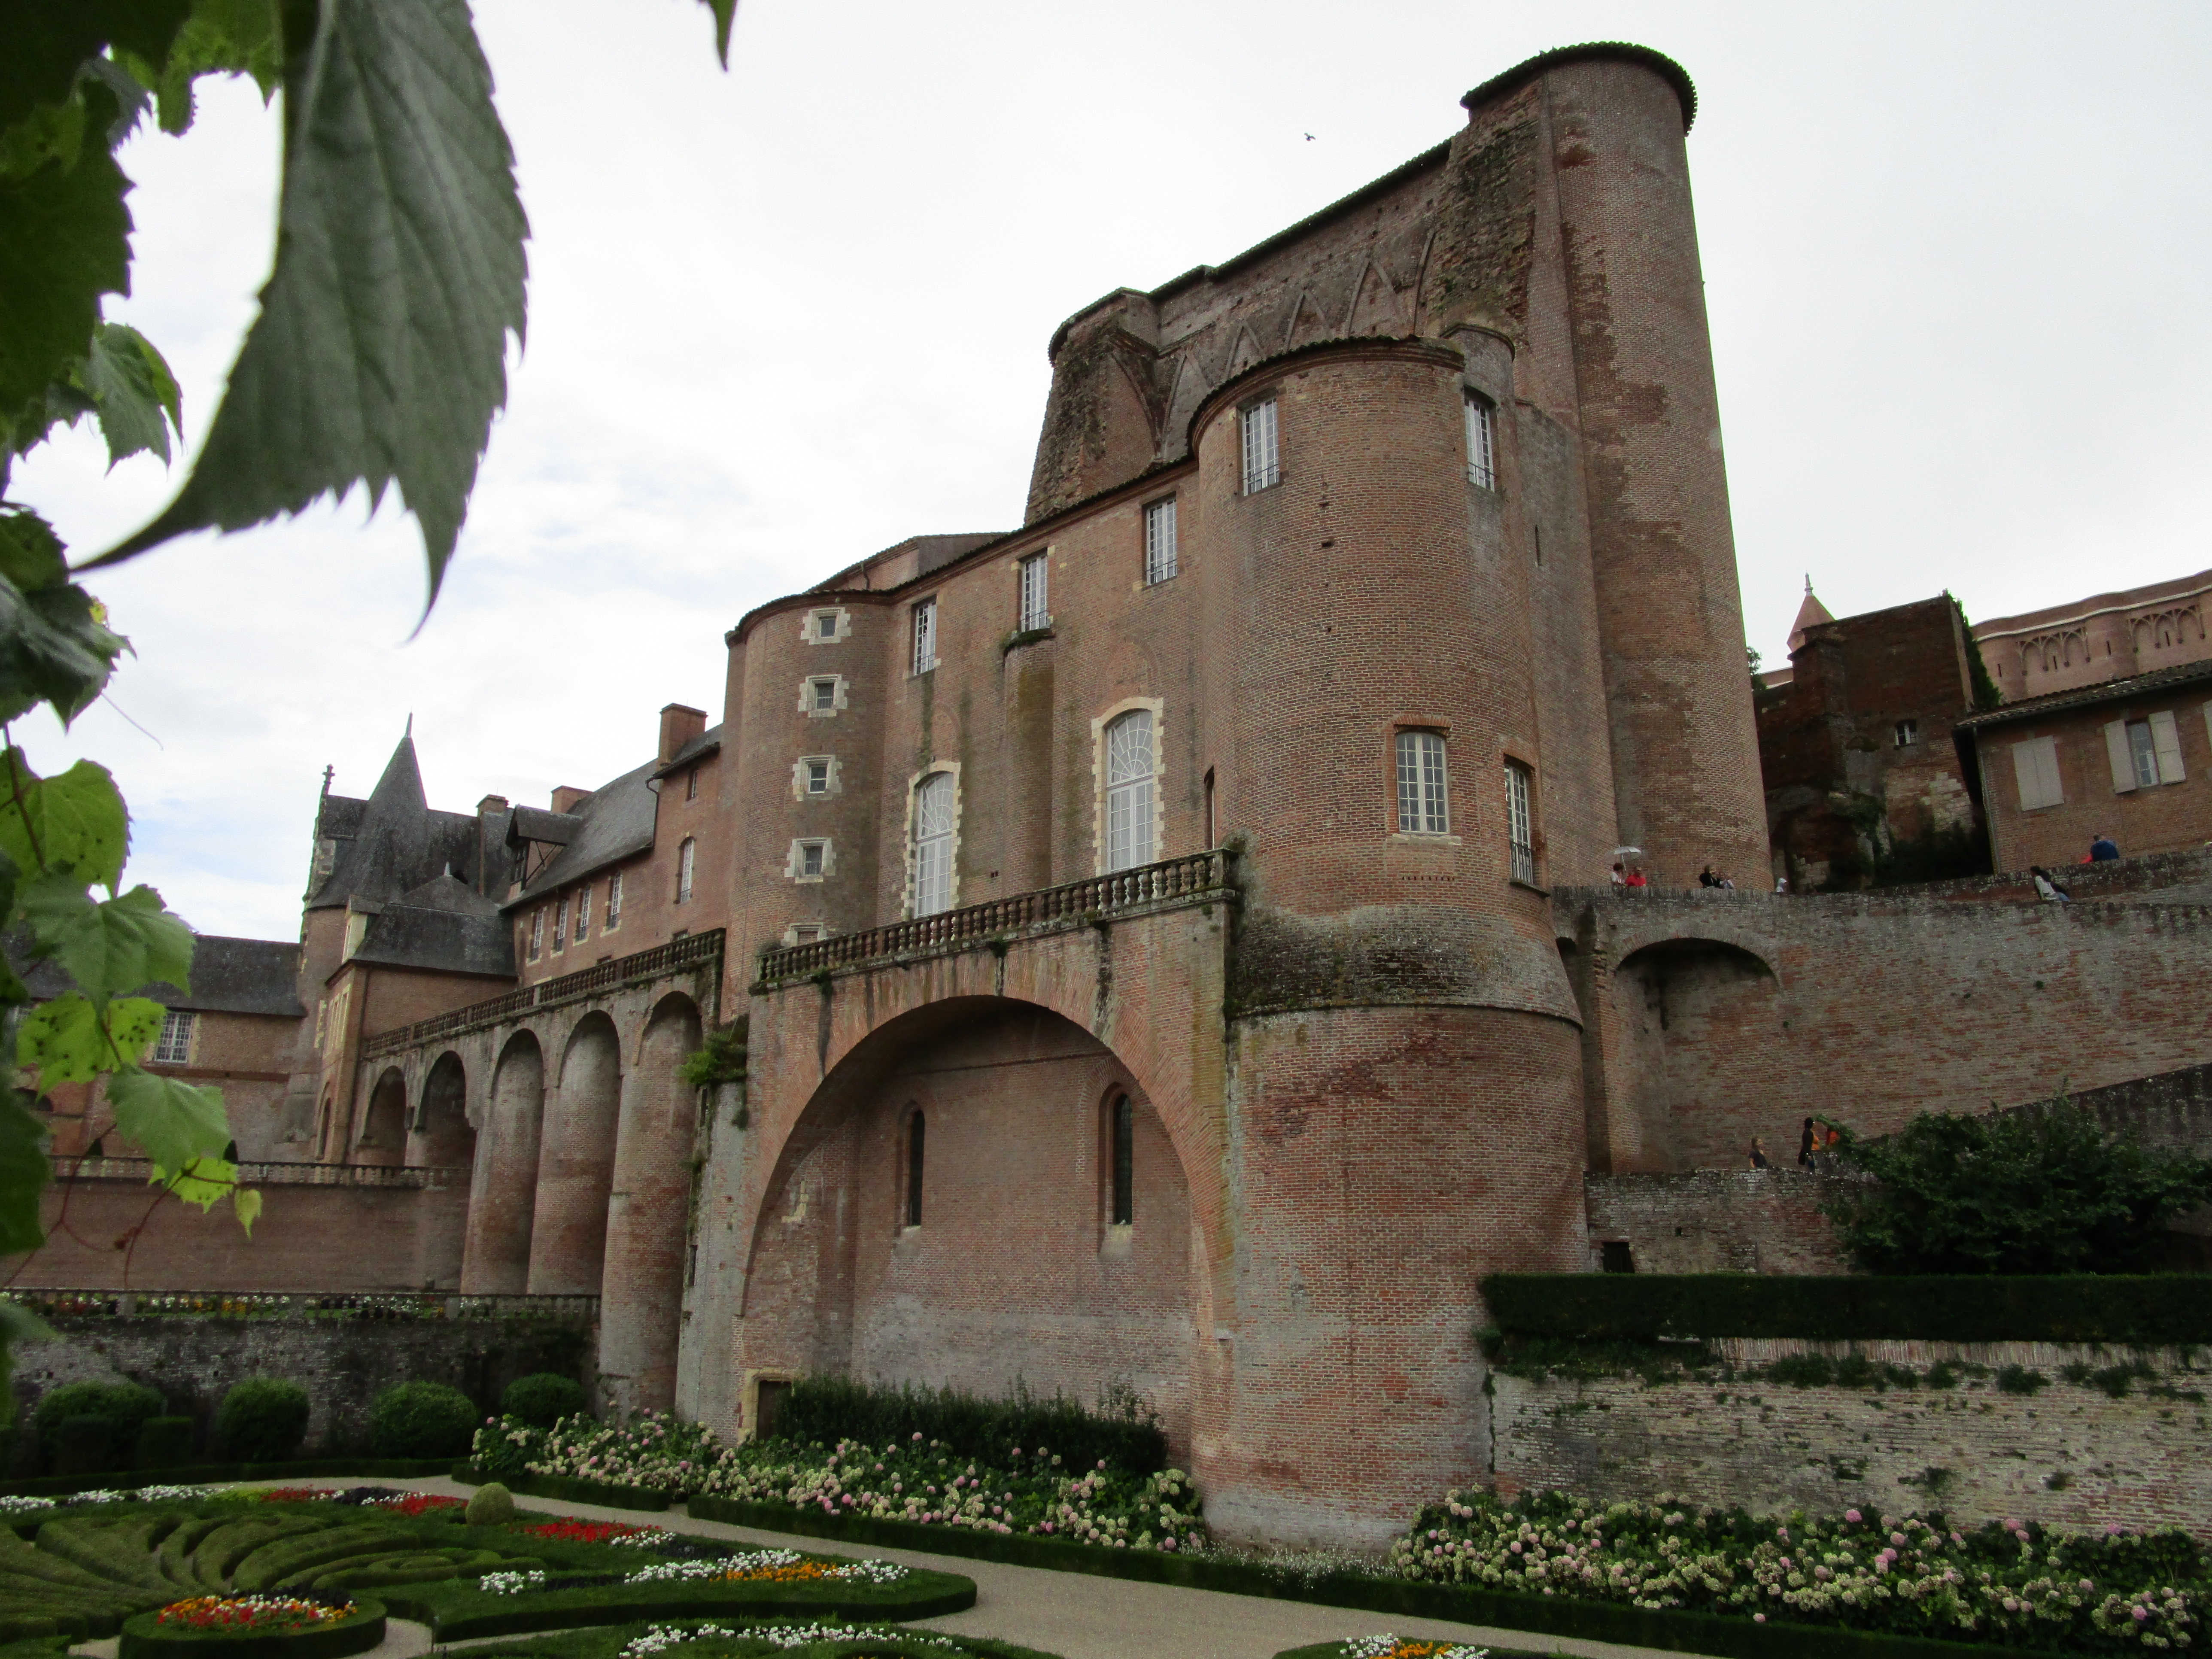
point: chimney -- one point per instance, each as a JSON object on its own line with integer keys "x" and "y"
{"x": 566, "y": 795}
{"x": 678, "y": 725}
{"x": 491, "y": 805}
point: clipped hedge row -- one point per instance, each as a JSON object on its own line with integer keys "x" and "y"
{"x": 828, "y": 1409}
{"x": 2165, "y": 1310}
{"x": 562, "y": 1487}
{"x": 1596, "y": 1621}
{"x": 202, "y": 1474}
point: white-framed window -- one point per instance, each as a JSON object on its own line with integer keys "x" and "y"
{"x": 1520, "y": 823}
{"x": 561, "y": 927}
{"x": 814, "y": 775}
{"x": 1906, "y": 734}
{"x": 583, "y": 912}
{"x": 1035, "y": 574}
{"x": 1262, "y": 461}
{"x": 821, "y": 696}
{"x": 925, "y": 636}
{"x": 2035, "y": 768}
{"x": 935, "y": 809}
{"x": 810, "y": 861}
{"x": 1424, "y": 803}
{"x": 538, "y": 933}
{"x": 1129, "y": 781}
{"x": 174, "y": 1046}
{"x": 1159, "y": 540}
{"x": 614, "y": 903}
{"x": 686, "y": 856}
{"x": 2144, "y": 753}
{"x": 1481, "y": 441}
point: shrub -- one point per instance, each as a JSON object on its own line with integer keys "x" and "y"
{"x": 84, "y": 1445}
{"x": 2044, "y": 1190}
{"x": 422, "y": 1419}
{"x": 543, "y": 1398}
{"x": 490, "y": 1505}
{"x": 125, "y": 1405}
{"x": 262, "y": 1420}
{"x": 1121, "y": 1431}
{"x": 163, "y": 1443}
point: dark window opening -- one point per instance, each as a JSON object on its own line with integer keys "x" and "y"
{"x": 1210, "y": 840}
{"x": 767, "y": 1405}
{"x": 1615, "y": 1257}
{"x": 1125, "y": 1161}
{"x": 913, "y": 1170}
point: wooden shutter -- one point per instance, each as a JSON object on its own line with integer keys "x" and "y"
{"x": 2035, "y": 768}
{"x": 2115, "y": 750}
{"x": 2167, "y": 741}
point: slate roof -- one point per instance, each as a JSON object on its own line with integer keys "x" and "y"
{"x": 230, "y": 976}
{"x": 707, "y": 743}
{"x": 398, "y": 843}
{"x": 616, "y": 823}
{"x": 2085, "y": 697}
{"x": 536, "y": 823}
{"x": 444, "y": 924}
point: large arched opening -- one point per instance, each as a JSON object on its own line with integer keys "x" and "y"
{"x": 442, "y": 1139}
{"x": 1044, "y": 1240}
{"x": 642, "y": 1303}
{"x": 503, "y": 1189}
{"x": 576, "y": 1162}
{"x": 1699, "y": 1018}
{"x": 383, "y": 1125}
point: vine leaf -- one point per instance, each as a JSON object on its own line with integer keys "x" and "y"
{"x": 114, "y": 946}
{"x": 379, "y": 353}
{"x": 76, "y": 819}
{"x": 55, "y": 644}
{"x": 173, "y": 1121}
{"x": 246, "y": 1201}
{"x": 726, "y": 14}
{"x": 24, "y": 1173}
{"x": 47, "y": 42}
{"x": 134, "y": 395}
{"x": 234, "y": 37}
{"x": 206, "y": 1182}
{"x": 69, "y": 1041}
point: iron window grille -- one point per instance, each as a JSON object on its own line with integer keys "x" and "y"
{"x": 1159, "y": 540}
{"x": 1424, "y": 803}
{"x": 1262, "y": 467}
{"x": 1034, "y": 611}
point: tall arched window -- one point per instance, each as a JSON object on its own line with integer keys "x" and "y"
{"x": 932, "y": 844}
{"x": 1123, "y": 1129}
{"x": 1129, "y": 791}
{"x": 913, "y": 1170}
{"x": 684, "y": 859}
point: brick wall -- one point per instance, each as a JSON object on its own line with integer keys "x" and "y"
{"x": 2067, "y": 1454}
{"x": 2164, "y": 818}
{"x": 1706, "y": 1221}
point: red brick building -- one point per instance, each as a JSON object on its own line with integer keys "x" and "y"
{"x": 1169, "y": 940}
{"x": 2109, "y": 636}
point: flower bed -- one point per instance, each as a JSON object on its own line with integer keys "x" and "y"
{"x": 2005, "y": 1583}
{"x": 254, "y": 1627}
{"x": 705, "y": 1639}
{"x": 1387, "y": 1646}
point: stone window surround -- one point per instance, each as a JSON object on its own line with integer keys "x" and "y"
{"x": 841, "y": 631}
{"x": 792, "y": 864}
{"x": 906, "y": 835}
{"x": 800, "y": 792}
{"x": 1453, "y": 805}
{"x": 822, "y": 930}
{"x": 1158, "y": 707}
{"x": 839, "y": 697}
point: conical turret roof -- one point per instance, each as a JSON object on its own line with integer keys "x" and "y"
{"x": 399, "y": 842}
{"x": 1810, "y": 615}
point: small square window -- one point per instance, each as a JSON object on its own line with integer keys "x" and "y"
{"x": 822, "y": 695}
{"x": 1908, "y": 733}
{"x": 825, "y": 625}
{"x": 1159, "y": 540}
{"x": 817, "y": 777}
{"x": 813, "y": 858}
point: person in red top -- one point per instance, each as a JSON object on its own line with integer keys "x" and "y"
{"x": 1635, "y": 879}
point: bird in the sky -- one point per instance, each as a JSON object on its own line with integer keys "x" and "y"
{"x": 1310, "y": 138}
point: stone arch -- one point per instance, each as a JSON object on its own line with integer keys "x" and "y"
{"x": 576, "y": 1164}
{"x": 503, "y": 1186}
{"x": 1699, "y": 1020}
{"x": 443, "y": 1137}
{"x": 1012, "y": 1276}
{"x": 642, "y": 1303}
{"x": 383, "y": 1125}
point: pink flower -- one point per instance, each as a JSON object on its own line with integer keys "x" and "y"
{"x": 1758, "y": 1618}
{"x": 1853, "y": 1516}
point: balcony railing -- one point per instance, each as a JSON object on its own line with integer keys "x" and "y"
{"x": 689, "y": 951}
{"x": 1191, "y": 880}
{"x": 274, "y": 1175}
{"x": 411, "y": 1306}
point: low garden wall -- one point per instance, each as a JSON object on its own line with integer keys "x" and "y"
{"x": 192, "y": 1346}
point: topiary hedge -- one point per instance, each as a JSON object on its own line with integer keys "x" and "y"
{"x": 543, "y": 1398}
{"x": 262, "y": 1420}
{"x": 2160, "y": 1310}
{"x": 1122, "y": 1431}
{"x": 422, "y": 1419}
{"x": 124, "y": 1405}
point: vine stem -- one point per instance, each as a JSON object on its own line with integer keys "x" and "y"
{"x": 15, "y": 789}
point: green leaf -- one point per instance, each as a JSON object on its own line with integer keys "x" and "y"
{"x": 726, "y": 14}
{"x": 206, "y": 1182}
{"x": 24, "y": 1173}
{"x": 133, "y": 392}
{"x": 55, "y": 644}
{"x": 172, "y": 1122}
{"x": 47, "y": 41}
{"x": 110, "y": 947}
{"x": 379, "y": 354}
{"x": 69, "y": 1041}
{"x": 223, "y": 37}
{"x": 76, "y": 820}
{"x": 247, "y": 1202}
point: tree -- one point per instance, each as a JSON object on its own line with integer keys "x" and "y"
{"x": 378, "y": 357}
{"x": 2043, "y": 1190}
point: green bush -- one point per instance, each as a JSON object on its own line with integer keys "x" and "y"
{"x": 163, "y": 1443}
{"x": 2044, "y": 1190}
{"x": 262, "y": 1420}
{"x": 1121, "y": 1430}
{"x": 543, "y": 1398}
{"x": 2171, "y": 1311}
{"x": 422, "y": 1419}
{"x": 125, "y": 1405}
{"x": 84, "y": 1445}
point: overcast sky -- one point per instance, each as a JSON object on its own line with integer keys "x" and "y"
{"x": 1956, "y": 260}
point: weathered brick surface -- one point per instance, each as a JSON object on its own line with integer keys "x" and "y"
{"x": 1707, "y": 1221}
{"x": 2058, "y": 647}
{"x": 2068, "y": 1454}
